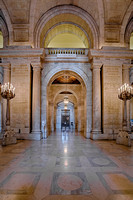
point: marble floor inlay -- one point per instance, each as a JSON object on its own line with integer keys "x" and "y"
{"x": 19, "y": 183}
{"x": 117, "y": 182}
{"x": 68, "y": 161}
{"x": 66, "y": 166}
{"x": 69, "y": 184}
{"x": 101, "y": 161}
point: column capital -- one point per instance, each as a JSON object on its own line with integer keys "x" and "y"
{"x": 131, "y": 67}
{"x": 126, "y": 66}
{"x": 6, "y": 66}
{"x": 96, "y": 66}
{"x": 36, "y": 66}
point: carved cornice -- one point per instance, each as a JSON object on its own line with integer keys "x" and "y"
{"x": 38, "y": 52}
{"x": 111, "y": 53}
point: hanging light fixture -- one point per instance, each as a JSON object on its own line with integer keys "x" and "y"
{"x": 65, "y": 107}
{"x": 66, "y": 100}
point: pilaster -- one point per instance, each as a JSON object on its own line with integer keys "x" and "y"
{"x": 6, "y": 79}
{"x": 36, "y": 126}
{"x": 96, "y": 101}
{"x": 125, "y": 79}
{"x": 131, "y": 101}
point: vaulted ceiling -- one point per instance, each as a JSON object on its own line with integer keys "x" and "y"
{"x": 21, "y": 11}
{"x": 110, "y": 16}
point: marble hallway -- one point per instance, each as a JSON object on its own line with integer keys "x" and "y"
{"x": 66, "y": 166}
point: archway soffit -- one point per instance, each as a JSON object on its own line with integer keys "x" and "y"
{"x": 67, "y": 23}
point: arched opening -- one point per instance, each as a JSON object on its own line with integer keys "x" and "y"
{"x": 131, "y": 41}
{"x": 66, "y": 40}
{"x": 66, "y": 35}
{"x": 1, "y": 39}
{"x": 129, "y": 33}
{"x": 65, "y": 117}
{"x": 4, "y": 34}
{"x": 73, "y": 118}
{"x": 66, "y": 15}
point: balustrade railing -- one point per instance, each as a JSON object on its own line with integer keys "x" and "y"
{"x": 66, "y": 51}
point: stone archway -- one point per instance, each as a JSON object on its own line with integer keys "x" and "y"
{"x": 126, "y": 27}
{"x": 4, "y": 30}
{"x": 128, "y": 32}
{"x": 75, "y": 91}
{"x": 84, "y": 101}
{"x": 67, "y": 13}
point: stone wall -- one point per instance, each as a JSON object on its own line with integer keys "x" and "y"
{"x": 107, "y": 108}
{"x": 20, "y": 105}
{"x": 112, "y": 106}
{"x": 114, "y": 63}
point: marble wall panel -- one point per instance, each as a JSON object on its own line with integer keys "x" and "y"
{"x": 20, "y": 105}
{"x": 112, "y": 106}
{"x": 21, "y": 35}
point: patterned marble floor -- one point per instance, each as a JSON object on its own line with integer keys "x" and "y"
{"x": 66, "y": 167}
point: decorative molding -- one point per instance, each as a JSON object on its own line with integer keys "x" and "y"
{"x": 21, "y": 34}
{"x": 21, "y": 52}
{"x": 112, "y": 34}
{"x": 111, "y": 53}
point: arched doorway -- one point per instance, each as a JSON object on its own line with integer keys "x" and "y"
{"x": 54, "y": 88}
{"x": 62, "y": 84}
{"x": 65, "y": 117}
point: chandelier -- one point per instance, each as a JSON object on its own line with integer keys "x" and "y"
{"x": 7, "y": 91}
{"x": 65, "y": 107}
{"x": 125, "y": 92}
{"x": 66, "y": 100}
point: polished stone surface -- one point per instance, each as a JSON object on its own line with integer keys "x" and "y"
{"x": 66, "y": 166}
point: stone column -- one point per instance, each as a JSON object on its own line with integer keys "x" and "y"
{"x": 125, "y": 79}
{"x": 36, "y": 125}
{"x": 6, "y": 79}
{"x": 131, "y": 101}
{"x": 1, "y": 77}
{"x": 51, "y": 129}
{"x": 96, "y": 101}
